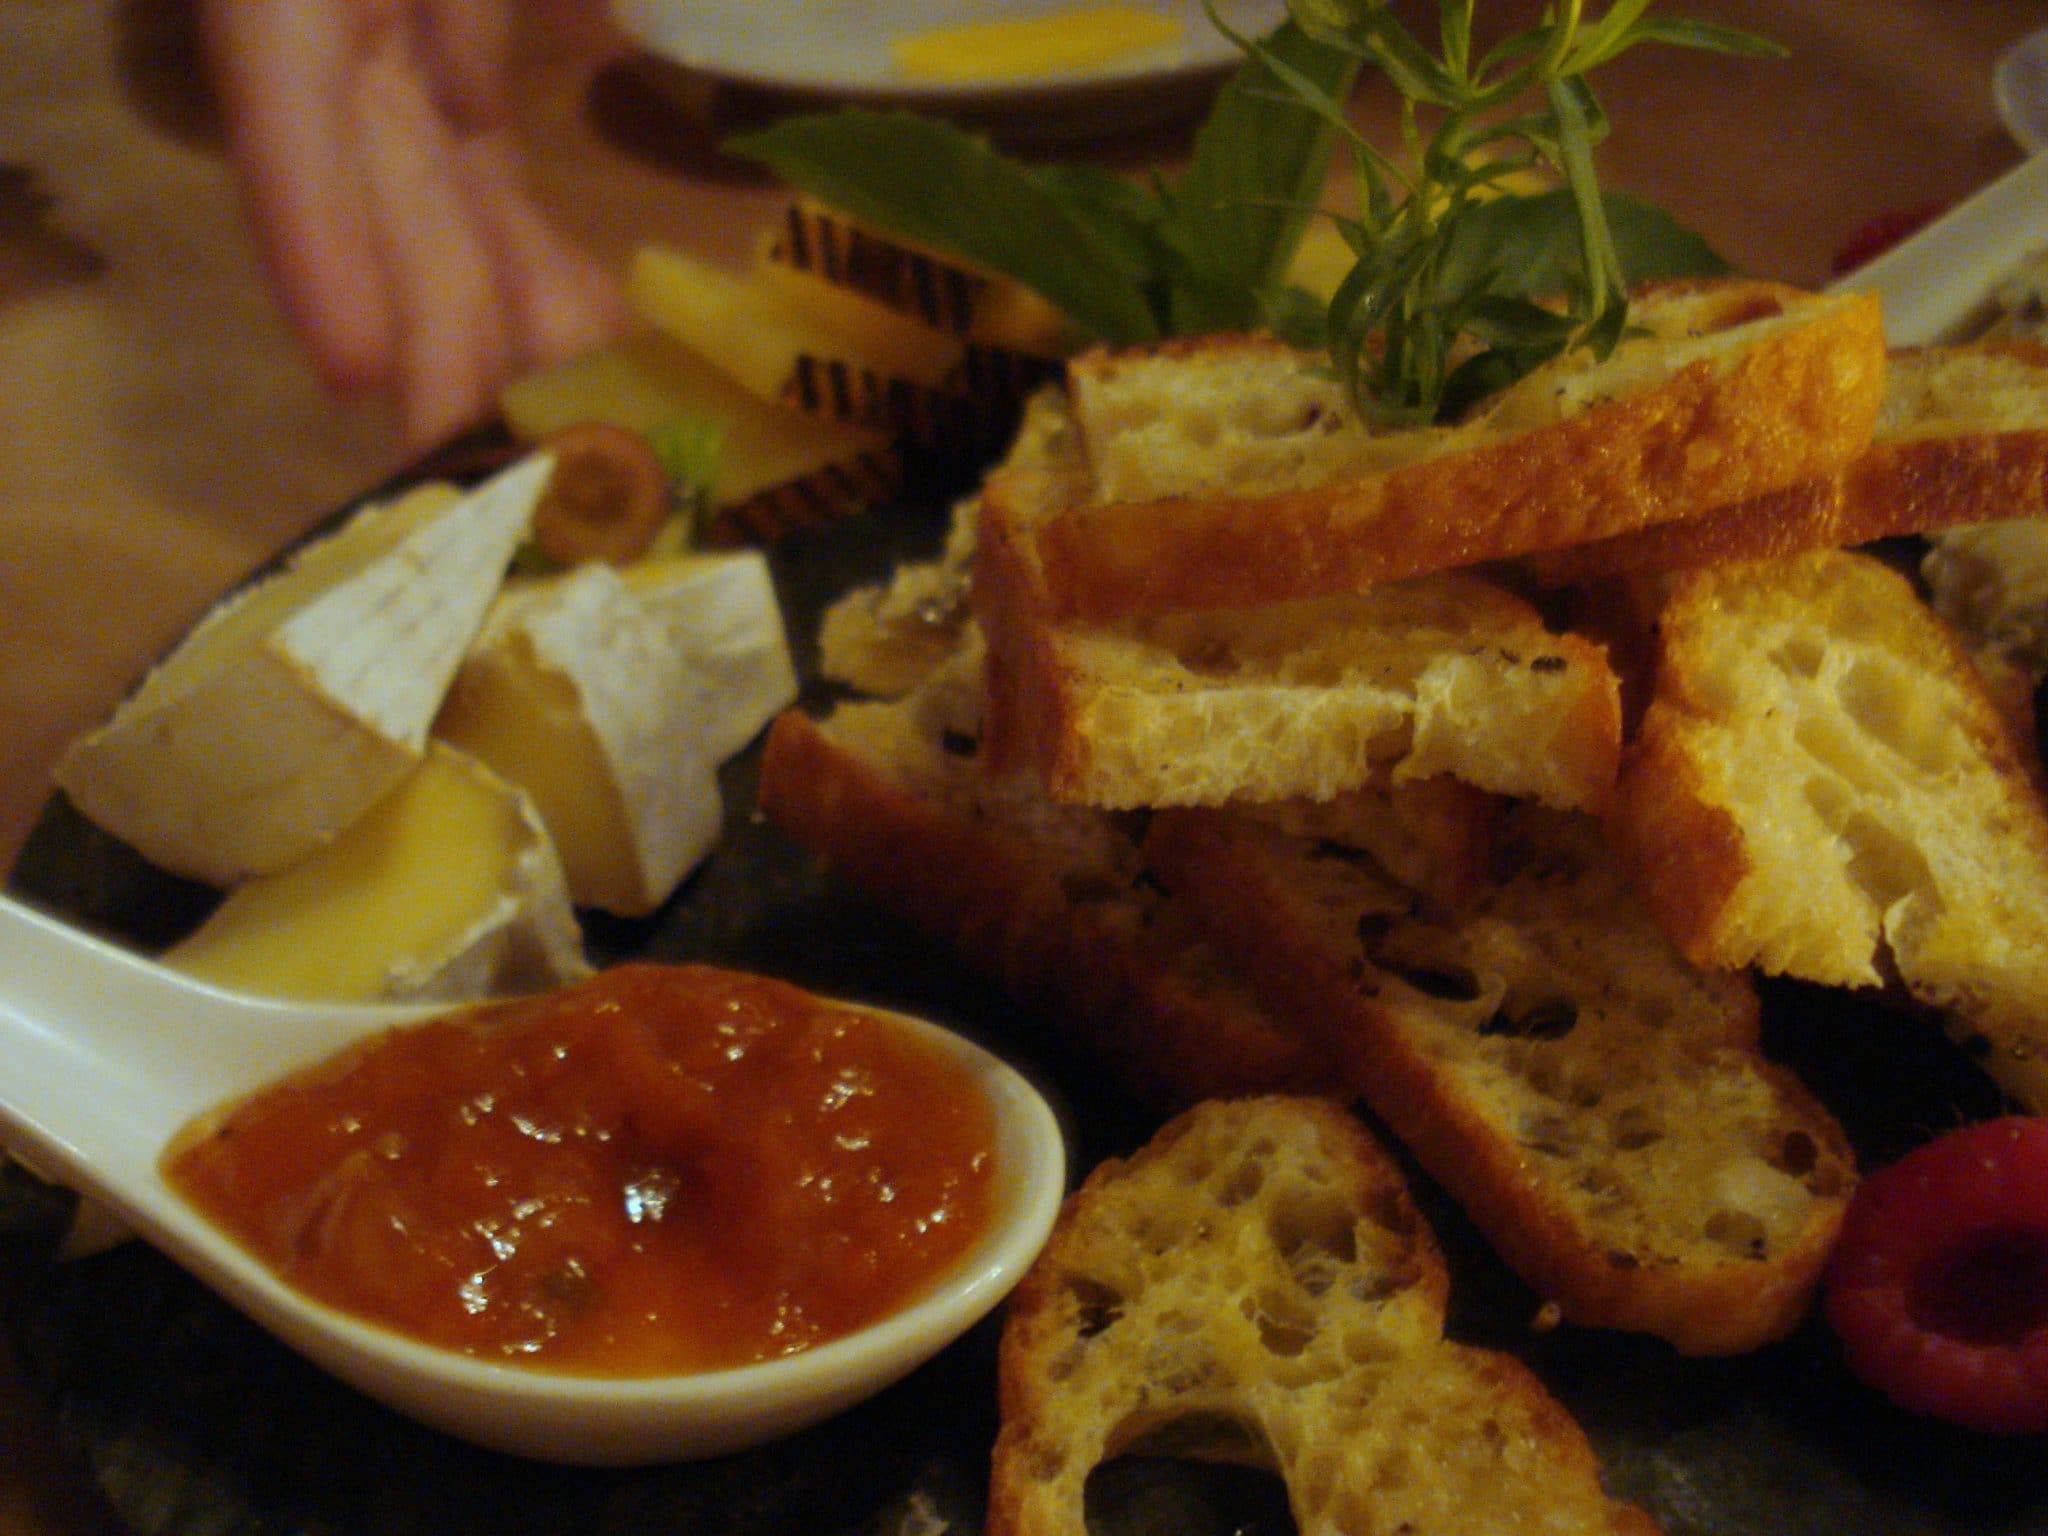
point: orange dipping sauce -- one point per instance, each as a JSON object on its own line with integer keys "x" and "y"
{"x": 663, "y": 1169}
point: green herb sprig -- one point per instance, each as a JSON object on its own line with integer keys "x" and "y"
{"x": 1436, "y": 311}
{"x": 1125, "y": 261}
{"x": 1456, "y": 278}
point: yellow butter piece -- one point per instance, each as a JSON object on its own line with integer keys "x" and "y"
{"x": 1064, "y": 42}
{"x": 445, "y": 889}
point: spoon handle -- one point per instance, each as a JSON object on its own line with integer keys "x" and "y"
{"x": 79, "y": 1101}
{"x": 109, "y": 1054}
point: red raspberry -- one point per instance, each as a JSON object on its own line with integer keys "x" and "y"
{"x": 1939, "y": 1282}
{"x": 1869, "y": 241}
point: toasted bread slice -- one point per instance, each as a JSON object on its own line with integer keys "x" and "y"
{"x": 1435, "y": 837}
{"x": 1822, "y": 787}
{"x": 1727, "y": 391}
{"x": 1445, "y": 674}
{"x": 1961, "y": 437}
{"x": 1599, "y": 1107}
{"x": 1259, "y": 1275}
{"x": 881, "y": 640}
{"x": 1051, "y": 902}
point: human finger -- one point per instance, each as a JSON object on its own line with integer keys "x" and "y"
{"x": 286, "y": 75}
{"x": 467, "y": 44}
{"x": 452, "y": 344}
{"x": 559, "y": 299}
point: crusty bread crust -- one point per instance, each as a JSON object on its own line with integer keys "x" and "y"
{"x": 1259, "y": 1266}
{"x": 1955, "y": 442}
{"x": 1775, "y": 399}
{"x": 1646, "y": 1168}
{"x": 1076, "y": 939}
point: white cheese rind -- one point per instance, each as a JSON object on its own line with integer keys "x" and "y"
{"x": 612, "y": 698}
{"x": 722, "y": 616}
{"x": 295, "y": 705}
{"x": 445, "y": 890}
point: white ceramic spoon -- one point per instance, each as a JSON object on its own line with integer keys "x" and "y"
{"x": 107, "y": 1056}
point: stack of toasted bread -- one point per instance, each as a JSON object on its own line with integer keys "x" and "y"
{"x": 1471, "y": 770}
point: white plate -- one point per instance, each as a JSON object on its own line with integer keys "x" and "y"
{"x": 2019, "y": 87}
{"x": 1937, "y": 284}
{"x": 840, "y": 51}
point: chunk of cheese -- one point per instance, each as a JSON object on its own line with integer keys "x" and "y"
{"x": 644, "y": 380}
{"x": 291, "y": 708}
{"x": 446, "y": 889}
{"x": 722, "y": 613}
{"x": 937, "y": 289}
{"x": 611, "y": 697}
{"x": 761, "y": 326}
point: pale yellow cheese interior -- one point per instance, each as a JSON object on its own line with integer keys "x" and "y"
{"x": 863, "y": 330}
{"x": 404, "y": 885}
{"x": 527, "y": 721}
{"x": 648, "y": 379}
{"x": 759, "y": 326}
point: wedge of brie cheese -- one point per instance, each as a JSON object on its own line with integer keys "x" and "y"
{"x": 722, "y": 618}
{"x": 612, "y": 697}
{"x": 295, "y": 705}
{"x": 445, "y": 889}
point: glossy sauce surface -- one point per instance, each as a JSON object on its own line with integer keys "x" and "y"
{"x": 666, "y": 1168}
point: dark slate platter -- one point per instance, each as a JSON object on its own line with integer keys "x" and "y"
{"x": 193, "y": 1421}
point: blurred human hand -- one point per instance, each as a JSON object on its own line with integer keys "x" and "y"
{"x": 375, "y": 147}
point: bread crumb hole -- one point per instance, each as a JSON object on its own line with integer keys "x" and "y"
{"x": 1548, "y": 1134}
{"x": 1798, "y": 1155}
{"x": 1833, "y": 744}
{"x": 1604, "y": 1185}
{"x": 1800, "y": 654}
{"x": 1312, "y": 1234}
{"x": 1226, "y": 1483}
{"x": 1884, "y": 864}
{"x": 1446, "y": 983}
{"x": 1738, "y": 1232}
{"x": 1285, "y": 1329}
{"x": 1637, "y": 1127}
{"x": 1886, "y": 704}
{"x": 1157, "y": 1236}
{"x": 1550, "y": 1019}
{"x": 1198, "y": 1435}
{"x": 1096, "y": 1306}
{"x": 1243, "y": 1184}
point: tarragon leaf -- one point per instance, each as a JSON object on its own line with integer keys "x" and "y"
{"x": 1253, "y": 182}
{"x": 941, "y": 186}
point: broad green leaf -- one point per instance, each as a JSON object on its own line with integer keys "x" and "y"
{"x": 935, "y": 184}
{"x": 1256, "y": 174}
{"x": 1531, "y": 242}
